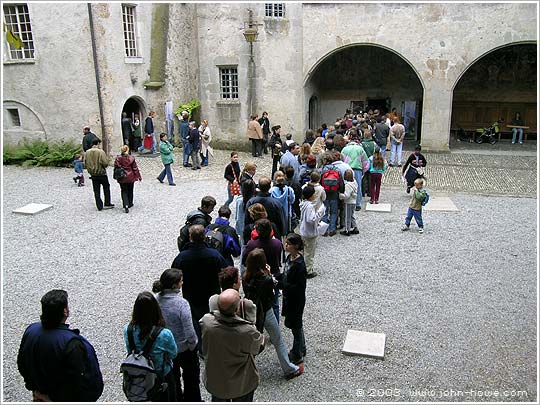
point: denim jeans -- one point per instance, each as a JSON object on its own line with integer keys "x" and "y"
{"x": 204, "y": 159}
{"x": 358, "y": 178}
{"x": 185, "y": 155}
{"x": 299, "y": 343}
{"x": 332, "y": 210}
{"x": 166, "y": 171}
{"x": 272, "y": 327}
{"x": 153, "y": 143}
{"x": 417, "y": 214}
{"x": 516, "y": 131}
{"x": 230, "y": 197}
{"x": 275, "y": 303}
{"x": 396, "y": 148}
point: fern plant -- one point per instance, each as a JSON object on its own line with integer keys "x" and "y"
{"x": 189, "y": 107}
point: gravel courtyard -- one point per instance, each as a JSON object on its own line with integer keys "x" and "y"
{"x": 457, "y": 304}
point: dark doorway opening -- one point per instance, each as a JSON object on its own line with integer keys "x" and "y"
{"x": 134, "y": 109}
{"x": 377, "y": 104}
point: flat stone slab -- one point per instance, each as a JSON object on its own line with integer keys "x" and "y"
{"x": 436, "y": 203}
{"x": 359, "y": 343}
{"x": 384, "y": 207}
{"x": 32, "y": 209}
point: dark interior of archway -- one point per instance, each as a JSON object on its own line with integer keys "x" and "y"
{"x": 498, "y": 85}
{"x": 132, "y": 107}
{"x": 374, "y": 76}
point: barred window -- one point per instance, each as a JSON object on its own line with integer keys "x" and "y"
{"x": 229, "y": 83}
{"x": 14, "y": 116}
{"x": 274, "y": 9}
{"x": 129, "y": 19}
{"x": 17, "y": 19}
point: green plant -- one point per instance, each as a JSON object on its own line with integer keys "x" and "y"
{"x": 61, "y": 154}
{"x": 31, "y": 153}
{"x": 189, "y": 107}
{"x": 8, "y": 155}
{"x": 40, "y": 153}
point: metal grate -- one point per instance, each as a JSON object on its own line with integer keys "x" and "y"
{"x": 229, "y": 83}
{"x": 130, "y": 39}
{"x": 17, "y": 19}
{"x": 274, "y": 10}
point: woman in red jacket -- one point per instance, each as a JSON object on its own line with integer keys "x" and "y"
{"x": 126, "y": 162}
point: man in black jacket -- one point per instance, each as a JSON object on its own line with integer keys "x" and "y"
{"x": 201, "y": 216}
{"x": 381, "y": 135}
{"x": 88, "y": 138}
{"x": 149, "y": 129}
{"x": 273, "y": 207}
{"x": 56, "y": 362}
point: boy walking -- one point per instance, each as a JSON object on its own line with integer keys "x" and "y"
{"x": 78, "y": 165}
{"x": 419, "y": 194}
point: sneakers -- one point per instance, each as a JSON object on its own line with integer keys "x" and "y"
{"x": 172, "y": 184}
{"x": 358, "y": 208}
{"x": 345, "y": 233}
{"x": 126, "y": 210}
{"x": 296, "y": 373}
{"x": 158, "y": 179}
{"x": 108, "y": 207}
{"x": 421, "y": 230}
{"x": 405, "y": 228}
{"x": 355, "y": 231}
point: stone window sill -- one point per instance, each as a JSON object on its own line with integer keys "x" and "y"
{"x": 134, "y": 60}
{"x": 19, "y": 62}
{"x": 228, "y": 102}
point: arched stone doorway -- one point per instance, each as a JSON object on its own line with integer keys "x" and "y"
{"x": 497, "y": 85}
{"x": 361, "y": 76}
{"x": 134, "y": 106}
{"x": 314, "y": 113}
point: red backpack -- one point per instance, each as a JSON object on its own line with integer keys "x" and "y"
{"x": 330, "y": 179}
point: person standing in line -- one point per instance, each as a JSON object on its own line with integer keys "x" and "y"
{"x": 381, "y": 135}
{"x": 57, "y": 363}
{"x": 127, "y": 129}
{"x": 397, "y": 136}
{"x": 88, "y": 138}
{"x": 147, "y": 322}
{"x": 183, "y": 130}
{"x": 206, "y": 138}
{"x": 258, "y": 286}
{"x": 96, "y": 161}
{"x": 78, "y": 166}
{"x": 194, "y": 139}
{"x": 177, "y": 316}
{"x": 230, "y": 344}
{"x": 137, "y": 133}
{"x": 232, "y": 175}
{"x": 255, "y": 134}
{"x": 275, "y": 145}
{"x": 311, "y": 213}
{"x": 264, "y": 122}
{"x": 167, "y": 158}
{"x": 293, "y": 283}
{"x": 248, "y": 190}
{"x": 349, "y": 202}
{"x": 358, "y": 161}
{"x": 127, "y": 162}
{"x": 290, "y": 158}
{"x": 377, "y": 167}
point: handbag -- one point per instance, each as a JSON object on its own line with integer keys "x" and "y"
{"x": 119, "y": 173}
{"x": 234, "y": 187}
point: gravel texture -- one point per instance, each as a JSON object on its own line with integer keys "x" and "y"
{"x": 458, "y": 304}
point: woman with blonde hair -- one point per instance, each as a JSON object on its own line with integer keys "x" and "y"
{"x": 305, "y": 151}
{"x": 206, "y": 138}
{"x": 126, "y": 173}
{"x": 248, "y": 173}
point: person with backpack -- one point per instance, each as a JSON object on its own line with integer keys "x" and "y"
{"x": 258, "y": 287}
{"x": 200, "y": 265}
{"x": 377, "y": 167}
{"x": 223, "y": 237}
{"x": 132, "y": 174}
{"x": 146, "y": 334}
{"x": 285, "y": 195}
{"x": 201, "y": 216}
{"x": 419, "y": 198}
{"x": 307, "y": 168}
{"x": 177, "y": 315}
{"x": 332, "y": 183}
{"x": 57, "y": 363}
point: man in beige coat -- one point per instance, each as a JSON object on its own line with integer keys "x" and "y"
{"x": 255, "y": 134}
{"x": 397, "y": 134}
{"x": 229, "y": 347}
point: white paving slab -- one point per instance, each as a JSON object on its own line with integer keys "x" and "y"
{"x": 384, "y": 207}
{"x": 439, "y": 203}
{"x": 32, "y": 209}
{"x": 359, "y": 343}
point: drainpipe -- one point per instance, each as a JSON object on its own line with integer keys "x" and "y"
{"x": 98, "y": 82}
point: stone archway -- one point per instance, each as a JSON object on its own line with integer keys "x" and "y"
{"x": 496, "y": 85}
{"x": 365, "y": 75}
{"x": 314, "y": 113}
{"x": 134, "y": 105}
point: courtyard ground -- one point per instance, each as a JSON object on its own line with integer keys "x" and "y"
{"x": 458, "y": 304}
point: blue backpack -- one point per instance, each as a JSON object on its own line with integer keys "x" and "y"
{"x": 426, "y": 198}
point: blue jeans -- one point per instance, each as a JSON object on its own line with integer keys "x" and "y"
{"x": 204, "y": 159}
{"x": 417, "y": 214}
{"x": 167, "y": 170}
{"x": 229, "y": 195}
{"x": 275, "y": 303}
{"x": 332, "y": 210}
{"x": 185, "y": 155}
{"x": 396, "y": 148}
{"x": 299, "y": 343}
{"x": 153, "y": 143}
{"x": 515, "y": 131}
{"x": 358, "y": 178}
{"x": 272, "y": 327}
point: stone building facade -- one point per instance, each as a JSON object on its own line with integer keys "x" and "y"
{"x": 308, "y": 63}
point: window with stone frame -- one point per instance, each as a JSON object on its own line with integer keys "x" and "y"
{"x": 17, "y": 20}
{"x": 229, "y": 82}
{"x": 129, "y": 20}
{"x": 274, "y": 10}
{"x": 14, "y": 117}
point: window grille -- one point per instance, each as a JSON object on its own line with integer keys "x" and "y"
{"x": 130, "y": 38}
{"x": 17, "y": 19}
{"x": 274, "y": 10}
{"x": 229, "y": 83}
{"x": 14, "y": 116}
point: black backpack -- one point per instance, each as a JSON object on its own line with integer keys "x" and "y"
{"x": 140, "y": 380}
{"x": 183, "y": 238}
{"x": 215, "y": 239}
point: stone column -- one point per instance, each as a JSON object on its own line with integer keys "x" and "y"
{"x": 436, "y": 116}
